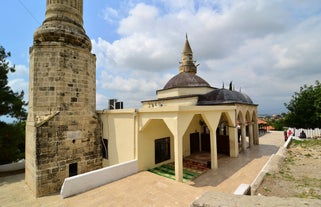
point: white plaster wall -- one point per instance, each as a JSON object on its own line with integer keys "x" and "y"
{"x": 87, "y": 181}
{"x": 190, "y": 101}
{"x": 119, "y": 129}
{"x": 13, "y": 166}
{"x": 182, "y": 91}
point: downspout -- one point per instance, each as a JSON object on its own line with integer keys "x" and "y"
{"x": 102, "y": 132}
{"x": 135, "y": 134}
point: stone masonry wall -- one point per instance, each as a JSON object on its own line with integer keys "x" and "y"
{"x": 60, "y": 144}
{"x": 62, "y": 125}
{"x": 64, "y": 80}
{"x": 62, "y": 130}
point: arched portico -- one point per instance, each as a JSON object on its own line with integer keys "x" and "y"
{"x": 178, "y": 126}
{"x": 247, "y": 122}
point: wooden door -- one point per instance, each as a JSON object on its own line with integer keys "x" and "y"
{"x": 194, "y": 142}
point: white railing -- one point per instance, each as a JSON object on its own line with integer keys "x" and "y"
{"x": 13, "y": 166}
{"x": 310, "y": 133}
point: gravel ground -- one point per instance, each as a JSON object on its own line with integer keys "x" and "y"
{"x": 299, "y": 175}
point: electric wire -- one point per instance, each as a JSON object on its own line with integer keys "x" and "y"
{"x": 28, "y": 11}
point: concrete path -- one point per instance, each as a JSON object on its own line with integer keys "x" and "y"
{"x": 147, "y": 189}
{"x": 232, "y": 172}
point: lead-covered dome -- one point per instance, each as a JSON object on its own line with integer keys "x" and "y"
{"x": 187, "y": 72}
{"x": 184, "y": 79}
{"x": 224, "y": 96}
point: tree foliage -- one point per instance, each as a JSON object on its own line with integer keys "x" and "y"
{"x": 279, "y": 124}
{"x": 11, "y": 103}
{"x": 305, "y": 107}
{"x": 12, "y": 142}
{"x": 12, "y": 135}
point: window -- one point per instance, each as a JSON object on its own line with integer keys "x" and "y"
{"x": 73, "y": 169}
{"x": 162, "y": 150}
{"x": 104, "y": 148}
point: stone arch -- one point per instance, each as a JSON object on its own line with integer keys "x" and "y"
{"x": 240, "y": 117}
{"x": 224, "y": 135}
{"x": 153, "y": 130}
{"x": 248, "y": 116}
{"x": 192, "y": 142}
{"x": 241, "y": 120}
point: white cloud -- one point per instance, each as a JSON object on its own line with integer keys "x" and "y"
{"x": 268, "y": 48}
{"x": 110, "y": 15}
{"x": 101, "y": 101}
{"x": 21, "y": 70}
{"x": 141, "y": 18}
{"x": 18, "y": 85}
{"x": 131, "y": 89}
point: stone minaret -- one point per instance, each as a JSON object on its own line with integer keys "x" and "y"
{"x": 62, "y": 132}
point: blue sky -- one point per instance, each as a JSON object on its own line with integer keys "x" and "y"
{"x": 267, "y": 48}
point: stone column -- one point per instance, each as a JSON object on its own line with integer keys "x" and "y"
{"x": 214, "y": 161}
{"x": 234, "y": 145}
{"x": 256, "y": 133}
{"x": 243, "y": 136}
{"x": 251, "y": 134}
{"x": 178, "y": 151}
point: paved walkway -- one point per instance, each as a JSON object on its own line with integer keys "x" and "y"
{"x": 232, "y": 172}
{"x": 147, "y": 189}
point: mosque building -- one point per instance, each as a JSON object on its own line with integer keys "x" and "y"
{"x": 188, "y": 117}
{"x": 66, "y": 136}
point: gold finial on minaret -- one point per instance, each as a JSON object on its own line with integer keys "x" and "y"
{"x": 187, "y": 64}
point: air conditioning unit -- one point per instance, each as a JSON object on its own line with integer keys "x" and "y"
{"x": 112, "y": 104}
{"x": 119, "y": 105}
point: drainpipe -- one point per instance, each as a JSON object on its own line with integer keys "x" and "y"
{"x": 102, "y": 131}
{"x": 135, "y": 134}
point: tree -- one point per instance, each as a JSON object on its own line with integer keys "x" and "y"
{"x": 11, "y": 103}
{"x": 305, "y": 107}
{"x": 279, "y": 124}
{"x": 12, "y": 135}
{"x": 12, "y": 142}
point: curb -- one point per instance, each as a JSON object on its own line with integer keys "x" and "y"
{"x": 271, "y": 165}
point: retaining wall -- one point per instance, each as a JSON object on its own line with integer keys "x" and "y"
{"x": 271, "y": 166}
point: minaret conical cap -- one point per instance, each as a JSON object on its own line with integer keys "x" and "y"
{"x": 187, "y": 63}
{"x": 187, "y": 48}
